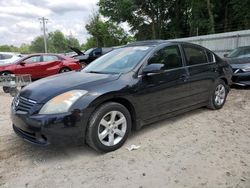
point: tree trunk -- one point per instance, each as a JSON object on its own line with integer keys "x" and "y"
{"x": 153, "y": 29}
{"x": 211, "y": 16}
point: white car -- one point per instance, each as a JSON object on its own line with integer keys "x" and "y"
{"x": 8, "y": 57}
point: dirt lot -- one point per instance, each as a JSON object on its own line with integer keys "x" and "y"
{"x": 202, "y": 148}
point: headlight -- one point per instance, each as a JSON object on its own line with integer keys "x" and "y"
{"x": 62, "y": 103}
{"x": 247, "y": 69}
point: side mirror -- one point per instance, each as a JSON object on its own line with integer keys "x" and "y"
{"x": 152, "y": 69}
{"x": 22, "y": 63}
{"x": 225, "y": 55}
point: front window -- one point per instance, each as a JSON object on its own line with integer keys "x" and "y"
{"x": 118, "y": 61}
{"x": 169, "y": 56}
{"x": 33, "y": 59}
{"x": 88, "y": 51}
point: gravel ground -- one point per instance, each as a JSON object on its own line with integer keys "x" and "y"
{"x": 202, "y": 148}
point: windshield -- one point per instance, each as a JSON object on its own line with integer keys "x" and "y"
{"x": 118, "y": 61}
{"x": 88, "y": 51}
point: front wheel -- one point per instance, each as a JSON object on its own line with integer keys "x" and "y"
{"x": 219, "y": 95}
{"x": 109, "y": 127}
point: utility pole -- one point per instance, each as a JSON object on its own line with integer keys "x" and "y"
{"x": 44, "y": 22}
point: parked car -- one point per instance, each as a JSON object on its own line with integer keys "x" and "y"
{"x": 239, "y": 60}
{"x": 41, "y": 65}
{"x": 8, "y": 57}
{"x": 125, "y": 89}
{"x": 90, "y": 55}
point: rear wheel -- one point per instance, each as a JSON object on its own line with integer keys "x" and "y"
{"x": 65, "y": 69}
{"x": 219, "y": 95}
{"x": 109, "y": 127}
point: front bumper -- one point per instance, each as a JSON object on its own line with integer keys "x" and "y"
{"x": 46, "y": 129}
{"x": 242, "y": 79}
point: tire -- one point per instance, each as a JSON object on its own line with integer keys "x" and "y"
{"x": 5, "y": 73}
{"x": 5, "y": 88}
{"x": 65, "y": 69}
{"x": 83, "y": 64}
{"x": 108, "y": 135}
{"x": 218, "y": 96}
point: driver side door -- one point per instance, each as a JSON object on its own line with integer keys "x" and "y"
{"x": 30, "y": 65}
{"x": 166, "y": 92}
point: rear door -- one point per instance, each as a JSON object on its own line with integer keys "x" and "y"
{"x": 50, "y": 65}
{"x": 202, "y": 70}
{"x": 30, "y": 65}
{"x": 165, "y": 92}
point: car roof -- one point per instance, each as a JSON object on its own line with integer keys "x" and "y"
{"x": 10, "y": 53}
{"x": 43, "y": 54}
{"x": 243, "y": 47}
{"x": 147, "y": 43}
{"x": 159, "y": 42}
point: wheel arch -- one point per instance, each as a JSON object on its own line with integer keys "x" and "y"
{"x": 126, "y": 103}
{"x": 64, "y": 67}
{"x": 6, "y": 71}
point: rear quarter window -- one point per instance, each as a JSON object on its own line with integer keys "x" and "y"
{"x": 47, "y": 58}
{"x": 210, "y": 57}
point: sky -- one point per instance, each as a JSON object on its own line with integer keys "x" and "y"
{"x": 19, "y": 19}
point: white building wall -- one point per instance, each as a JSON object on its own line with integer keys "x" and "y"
{"x": 221, "y": 43}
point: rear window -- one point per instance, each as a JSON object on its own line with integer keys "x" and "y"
{"x": 5, "y": 56}
{"x": 33, "y": 59}
{"x": 195, "y": 55}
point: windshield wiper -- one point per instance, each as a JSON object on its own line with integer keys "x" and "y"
{"x": 97, "y": 72}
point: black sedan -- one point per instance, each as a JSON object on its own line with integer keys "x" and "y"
{"x": 239, "y": 60}
{"x": 121, "y": 91}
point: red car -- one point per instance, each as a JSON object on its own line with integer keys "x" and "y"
{"x": 41, "y": 65}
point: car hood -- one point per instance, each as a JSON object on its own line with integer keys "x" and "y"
{"x": 43, "y": 90}
{"x": 82, "y": 57}
{"x": 238, "y": 62}
{"x": 76, "y": 50}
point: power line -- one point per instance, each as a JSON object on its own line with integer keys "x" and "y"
{"x": 44, "y": 22}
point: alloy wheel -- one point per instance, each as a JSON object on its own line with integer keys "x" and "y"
{"x": 220, "y": 94}
{"x": 112, "y": 128}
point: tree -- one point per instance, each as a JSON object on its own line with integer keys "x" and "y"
{"x": 164, "y": 19}
{"x": 37, "y": 45}
{"x": 57, "y": 42}
{"x": 24, "y": 48}
{"x": 8, "y": 48}
{"x": 105, "y": 34}
{"x": 73, "y": 42}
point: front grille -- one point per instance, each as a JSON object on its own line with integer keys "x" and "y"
{"x": 23, "y": 104}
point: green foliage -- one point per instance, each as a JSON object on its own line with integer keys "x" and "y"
{"x": 56, "y": 41}
{"x": 105, "y": 34}
{"x": 7, "y": 48}
{"x": 24, "y": 48}
{"x": 37, "y": 45}
{"x": 164, "y": 19}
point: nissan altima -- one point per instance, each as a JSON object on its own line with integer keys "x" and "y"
{"x": 128, "y": 88}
